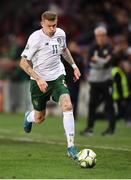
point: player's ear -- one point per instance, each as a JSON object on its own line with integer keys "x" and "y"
{"x": 41, "y": 23}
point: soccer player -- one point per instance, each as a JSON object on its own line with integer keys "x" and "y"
{"x": 41, "y": 61}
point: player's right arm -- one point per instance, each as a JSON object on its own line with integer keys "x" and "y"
{"x": 27, "y": 67}
{"x": 26, "y": 64}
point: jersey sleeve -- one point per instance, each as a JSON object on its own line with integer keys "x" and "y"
{"x": 64, "y": 41}
{"x": 62, "y": 38}
{"x": 31, "y": 47}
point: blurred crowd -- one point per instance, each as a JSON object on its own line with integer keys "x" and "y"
{"x": 78, "y": 18}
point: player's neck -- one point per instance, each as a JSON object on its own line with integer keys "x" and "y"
{"x": 46, "y": 33}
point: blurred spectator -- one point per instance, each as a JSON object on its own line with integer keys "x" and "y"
{"x": 100, "y": 78}
{"x": 15, "y": 74}
{"x": 9, "y": 65}
{"x": 74, "y": 87}
{"x": 115, "y": 15}
{"x": 121, "y": 89}
{"x": 127, "y": 69}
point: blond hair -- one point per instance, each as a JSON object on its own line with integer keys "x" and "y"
{"x": 49, "y": 15}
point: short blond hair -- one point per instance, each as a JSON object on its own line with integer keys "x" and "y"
{"x": 49, "y": 15}
{"x": 100, "y": 30}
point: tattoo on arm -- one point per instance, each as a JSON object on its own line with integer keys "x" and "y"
{"x": 67, "y": 56}
{"x": 27, "y": 67}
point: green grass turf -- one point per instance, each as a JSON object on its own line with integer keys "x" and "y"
{"x": 42, "y": 153}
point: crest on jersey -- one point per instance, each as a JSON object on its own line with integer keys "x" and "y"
{"x": 59, "y": 40}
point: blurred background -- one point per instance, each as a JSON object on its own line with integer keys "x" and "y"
{"x": 45, "y": 146}
{"x": 79, "y": 18}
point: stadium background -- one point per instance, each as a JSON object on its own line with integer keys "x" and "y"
{"x": 78, "y": 19}
{"x": 41, "y": 154}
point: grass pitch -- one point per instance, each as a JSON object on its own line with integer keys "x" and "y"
{"x": 42, "y": 153}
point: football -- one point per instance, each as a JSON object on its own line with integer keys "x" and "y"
{"x": 87, "y": 158}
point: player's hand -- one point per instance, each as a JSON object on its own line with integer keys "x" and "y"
{"x": 42, "y": 84}
{"x": 77, "y": 74}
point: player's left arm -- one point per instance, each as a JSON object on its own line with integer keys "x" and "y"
{"x": 68, "y": 57}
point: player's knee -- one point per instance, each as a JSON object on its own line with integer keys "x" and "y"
{"x": 67, "y": 106}
{"x": 39, "y": 119}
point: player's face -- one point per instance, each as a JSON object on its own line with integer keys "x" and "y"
{"x": 49, "y": 27}
{"x": 101, "y": 39}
